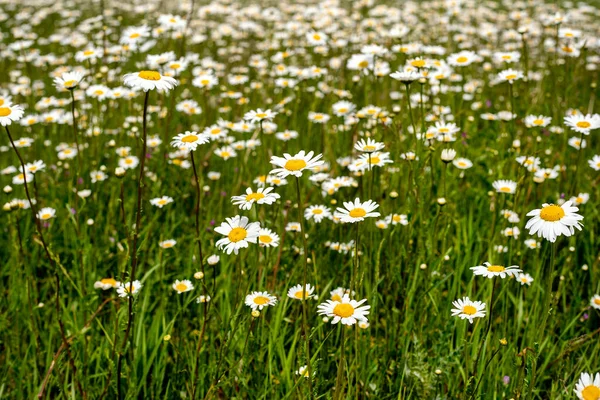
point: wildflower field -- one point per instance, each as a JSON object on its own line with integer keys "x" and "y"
{"x": 299, "y": 199}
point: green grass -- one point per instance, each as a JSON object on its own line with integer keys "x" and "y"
{"x": 410, "y": 275}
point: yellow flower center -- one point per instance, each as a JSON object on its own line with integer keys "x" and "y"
{"x": 1, "y": 102}
{"x": 552, "y": 213}
{"x": 134, "y": 35}
{"x": 597, "y": 301}
{"x": 317, "y": 36}
{"x": 261, "y": 300}
{"x": 99, "y": 92}
{"x": 317, "y": 211}
{"x": 149, "y": 75}
{"x": 506, "y": 57}
{"x": 265, "y": 239}
{"x": 204, "y": 81}
{"x": 511, "y": 76}
{"x": 396, "y": 218}
{"x": 88, "y": 52}
{"x": 375, "y": 160}
{"x": 225, "y": 154}
{"x": 301, "y": 294}
{"x": 70, "y": 83}
{"x": 358, "y": 212}
{"x": 189, "y": 138}
{"x": 261, "y": 115}
{"x": 109, "y": 281}
{"x": 181, "y": 287}
{"x": 496, "y": 268}
{"x": 343, "y": 310}
{"x": 162, "y": 202}
{"x": 583, "y": 124}
{"x": 538, "y": 121}
{"x": 255, "y": 196}
{"x": 318, "y": 117}
{"x": 363, "y": 64}
{"x": 237, "y": 234}
{"x": 46, "y": 216}
{"x": 343, "y": 110}
{"x": 469, "y": 310}
{"x": 5, "y": 111}
{"x": 505, "y": 189}
{"x": 462, "y": 59}
{"x": 591, "y": 392}
{"x": 418, "y": 63}
{"x": 295, "y": 165}
{"x": 175, "y": 66}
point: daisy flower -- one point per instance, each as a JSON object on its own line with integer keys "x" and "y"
{"x": 267, "y": 238}
{"x": 552, "y": 221}
{"x": 406, "y": 77}
{"x": 588, "y": 387}
{"x": 68, "y": 80}
{"x": 505, "y": 186}
{"x": 129, "y": 288}
{"x": 189, "y": 140}
{"x": 318, "y": 213}
{"x": 129, "y": 162}
{"x": 149, "y": 80}
{"x": 338, "y": 293}
{"x": 182, "y": 286}
{"x": 261, "y": 196}
{"x": 376, "y": 159}
{"x": 534, "y": 121}
{"x": 510, "y": 75}
{"x": 467, "y": 309}
{"x": 226, "y": 152}
{"x": 300, "y": 293}
{"x": 532, "y": 244}
{"x": 260, "y": 300}
{"x": 10, "y": 113}
{"x": 462, "y": 163}
{"x": 489, "y": 271}
{"x": 342, "y": 108}
{"x": 106, "y": 284}
{"x": 239, "y": 232}
{"x": 368, "y": 146}
{"x": 161, "y": 201}
{"x": 595, "y": 301}
{"x": 349, "y": 312}
{"x": 524, "y": 279}
{"x": 294, "y": 165}
{"x": 167, "y": 244}
{"x": 259, "y": 115}
{"x": 462, "y": 59}
{"x": 357, "y": 211}
{"x": 583, "y": 123}
{"x": 46, "y": 213}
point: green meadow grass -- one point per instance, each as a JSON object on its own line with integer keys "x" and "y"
{"x": 410, "y": 275}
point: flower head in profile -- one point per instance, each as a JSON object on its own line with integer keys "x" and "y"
{"x": 160, "y": 202}
{"x": 552, "y": 221}
{"x": 10, "y": 113}
{"x": 588, "y": 387}
{"x": 267, "y": 238}
{"x": 259, "y": 115}
{"x": 300, "y": 293}
{"x": 505, "y": 186}
{"x": 149, "y": 80}
{"x": 129, "y": 288}
{"x": 106, "y": 284}
{"x": 345, "y": 310}
{"x": 239, "y": 232}
{"x": 466, "y": 309}
{"x": 182, "y": 286}
{"x": 489, "y": 271}
{"x": 595, "y": 302}
{"x": 189, "y": 140}
{"x": 68, "y": 80}
{"x": 261, "y": 196}
{"x": 510, "y": 75}
{"x": 295, "y": 165}
{"x": 356, "y": 211}
{"x": 583, "y": 123}
{"x": 260, "y": 300}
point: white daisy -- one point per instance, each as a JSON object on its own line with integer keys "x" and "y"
{"x": 161, "y": 201}
{"x": 505, "y": 186}
{"x": 68, "y": 80}
{"x": 167, "y": 244}
{"x": 260, "y": 300}
{"x": 189, "y": 140}
{"x": 126, "y": 289}
{"x": 299, "y": 293}
{"x": 583, "y": 123}
{"x": 510, "y": 75}
{"x": 357, "y": 211}
{"x": 588, "y": 387}
{"x": 535, "y": 121}
{"x": 349, "y": 312}
{"x": 10, "y": 113}
{"x": 261, "y": 196}
{"x": 106, "y": 284}
{"x": 524, "y": 279}
{"x": 239, "y": 232}
{"x": 46, "y": 213}
{"x": 317, "y": 212}
{"x": 595, "y": 301}
{"x": 259, "y": 115}
{"x": 467, "y": 309}
{"x": 462, "y": 163}
{"x": 182, "y": 286}
{"x": 149, "y": 80}
{"x": 553, "y": 220}
{"x": 267, "y": 238}
{"x": 489, "y": 271}
{"x": 294, "y": 165}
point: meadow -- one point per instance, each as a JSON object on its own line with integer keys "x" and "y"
{"x": 299, "y": 200}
